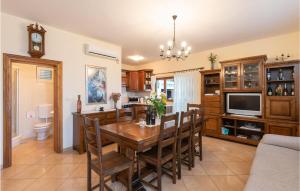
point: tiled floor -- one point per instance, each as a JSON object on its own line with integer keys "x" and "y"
{"x": 225, "y": 167}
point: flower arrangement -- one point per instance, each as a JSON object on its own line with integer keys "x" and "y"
{"x": 158, "y": 103}
{"x": 115, "y": 97}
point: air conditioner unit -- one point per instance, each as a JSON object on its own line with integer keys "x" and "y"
{"x": 99, "y": 51}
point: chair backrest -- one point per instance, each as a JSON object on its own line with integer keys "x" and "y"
{"x": 123, "y": 114}
{"x": 168, "y": 133}
{"x": 198, "y": 120}
{"x": 140, "y": 112}
{"x": 92, "y": 136}
{"x": 194, "y": 106}
{"x": 185, "y": 129}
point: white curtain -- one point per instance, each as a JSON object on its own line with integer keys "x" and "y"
{"x": 187, "y": 89}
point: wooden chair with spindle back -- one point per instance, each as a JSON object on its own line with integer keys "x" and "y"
{"x": 198, "y": 130}
{"x": 140, "y": 112}
{"x": 164, "y": 152}
{"x": 104, "y": 165}
{"x": 184, "y": 144}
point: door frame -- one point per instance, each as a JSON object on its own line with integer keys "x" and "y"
{"x": 8, "y": 59}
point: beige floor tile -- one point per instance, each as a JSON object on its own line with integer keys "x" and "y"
{"x": 209, "y": 156}
{"x": 215, "y": 168}
{"x": 75, "y": 184}
{"x": 33, "y": 171}
{"x": 60, "y": 171}
{"x": 45, "y": 185}
{"x": 197, "y": 170}
{"x": 241, "y": 168}
{"x": 228, "y": 156}
{"x": 12, "y": 171}
{"x": 243, "y": 178}
{"x": 15, "y": 185}
{"x": 228, "y": 183}
{"x": 199, "y": 183}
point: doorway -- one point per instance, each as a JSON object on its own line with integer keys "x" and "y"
{"x": 10, "y": 105}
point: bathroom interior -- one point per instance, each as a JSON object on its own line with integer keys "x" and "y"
{"x": 32, "y": 103}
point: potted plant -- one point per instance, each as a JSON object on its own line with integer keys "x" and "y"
{"x": 115, "y": 97}
{"x": 212, "y": 58}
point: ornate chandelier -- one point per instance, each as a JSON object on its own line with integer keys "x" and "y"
{"x": 174, "y": 51}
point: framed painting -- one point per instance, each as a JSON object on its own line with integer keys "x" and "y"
{"x": 95, "y": 86}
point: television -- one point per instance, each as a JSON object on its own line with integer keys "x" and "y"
{"x": 249, "y": 104}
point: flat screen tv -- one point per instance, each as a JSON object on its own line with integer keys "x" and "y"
{"x": 244, "y": 104}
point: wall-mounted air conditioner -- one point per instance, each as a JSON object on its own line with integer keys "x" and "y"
{"x": 99, "y": 51}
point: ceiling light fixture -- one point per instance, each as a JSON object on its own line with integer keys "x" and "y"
{"x": 172, "y": 50}
{"x": 136, "y": 58}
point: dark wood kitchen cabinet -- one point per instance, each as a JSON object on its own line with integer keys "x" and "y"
{"x": 133, "y": 81}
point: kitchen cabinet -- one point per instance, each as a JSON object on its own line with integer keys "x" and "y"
{"x": 133, "y": 81}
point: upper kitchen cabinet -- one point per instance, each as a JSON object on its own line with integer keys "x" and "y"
{"x": 243, "y": 74}
{"x": 137, "y": 81}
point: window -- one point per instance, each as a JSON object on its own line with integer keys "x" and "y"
{"x": 165, "y": 85}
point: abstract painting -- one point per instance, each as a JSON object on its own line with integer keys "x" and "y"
{"x": 95, "y": 85}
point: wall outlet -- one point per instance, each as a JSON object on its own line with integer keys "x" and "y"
{"x": 30, "y": 115}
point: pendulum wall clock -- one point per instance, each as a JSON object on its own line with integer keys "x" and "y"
{"x": 36, "y": 40}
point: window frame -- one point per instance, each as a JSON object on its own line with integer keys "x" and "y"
{"x": 165, "y": 85}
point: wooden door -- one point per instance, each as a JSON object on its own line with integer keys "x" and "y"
{"x": 231, "y": 76}
{"x": 133, "y": 81}
{"x": 141, "y": 81}
{"x": 281, "y": 128}
{"x": 281, "y": 107}
{"x": 212, "y": 125}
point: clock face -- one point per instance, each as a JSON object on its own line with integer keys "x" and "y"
{"x": 36, "y": 37}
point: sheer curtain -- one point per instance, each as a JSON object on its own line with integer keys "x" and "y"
{"x": 187, "y": 89}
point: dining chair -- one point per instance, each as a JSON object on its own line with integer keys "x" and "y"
{"x": 140, "y": 112}
{"x": 103, "y": 164}
{"x": 124, "y": 114}
{"x": 197, "y": 133}
{"x": 194, "y": 106}
{"x": 164, "y": 152}
{"x": 184, "y": 144}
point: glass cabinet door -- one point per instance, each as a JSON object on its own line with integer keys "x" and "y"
{"x": 231, "y": 77}
{"x": 251, "y": 76}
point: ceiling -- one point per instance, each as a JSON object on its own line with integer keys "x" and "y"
{"x": 140, "y": 26}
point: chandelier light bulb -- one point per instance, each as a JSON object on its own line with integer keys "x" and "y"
{"x": 186, "y": 52}
{"x": 183, "y": 44}
{"x": 170, "y": 44}
{"x": 161, "y": 47}
{"x": 168, "y": 52}
{"x": 179, "y": 53}
{"x": 189, "y": 48}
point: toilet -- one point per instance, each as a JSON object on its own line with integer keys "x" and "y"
{"x": 43, "y": 129}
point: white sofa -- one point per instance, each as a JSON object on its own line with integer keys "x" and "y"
{"x": 276, "y": 165}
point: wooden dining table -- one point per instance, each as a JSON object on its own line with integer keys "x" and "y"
{"x": 131, "y": 135}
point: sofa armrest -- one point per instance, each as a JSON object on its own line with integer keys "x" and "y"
{"x": 282, "y": 141}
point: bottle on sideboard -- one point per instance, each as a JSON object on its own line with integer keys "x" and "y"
{"x": 285, "y": 91}
{"x": 153, "y": 117}
{"x": 292, "y": 90}
{"x": 279, "y": 90}
{"x": 148, "y": 116}
{"x": 79, "y": 104}
{"x": 280, "y": 74}
{"x": 270, "y": 92}
{"x": 268, "y": 74}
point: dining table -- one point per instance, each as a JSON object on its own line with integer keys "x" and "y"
{"x": 133, "y": 137}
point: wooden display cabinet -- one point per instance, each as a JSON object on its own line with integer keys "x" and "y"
{"x": 243, "y": 75}
{"x": 211, "y": 101}
{"x": 283, "y": 104}
{"x": 145, "y": 80}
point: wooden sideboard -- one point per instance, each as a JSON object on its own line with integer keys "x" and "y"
{"x": 105, "y": 117}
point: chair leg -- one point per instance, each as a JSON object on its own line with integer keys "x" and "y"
{"x": 89, "y": 177}
{"x": 130, "y": 178}
{"x": 190, "y": 157}
{"x": 179, "y": 165}
{"x": 193, "y": 151}
{"x": 101, "y": 183}
{"x": 159, "y": 177}
{"x": 174, "y": 170}
{"x": 138, "y": 165}
{"x": 200, "y": 145}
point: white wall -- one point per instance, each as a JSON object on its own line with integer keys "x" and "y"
{"x": 68, "y": 48}
{"x": 32, "y": 93}
{"x": 272, "y": 47}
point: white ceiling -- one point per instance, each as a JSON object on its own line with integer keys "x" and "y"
{"x": 140, "y": 26}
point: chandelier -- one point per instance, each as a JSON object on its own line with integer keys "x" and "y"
{"x": 173, "y": 50}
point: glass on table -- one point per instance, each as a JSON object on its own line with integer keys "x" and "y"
{"x": 142, "y": 122}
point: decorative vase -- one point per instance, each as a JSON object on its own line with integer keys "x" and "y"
{"x": 212, "y": 65}
{"x": 79, "y": 104}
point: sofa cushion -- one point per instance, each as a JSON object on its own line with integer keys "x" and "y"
{"x": 274, "y": 169}
{"x": 282, "y": 141}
